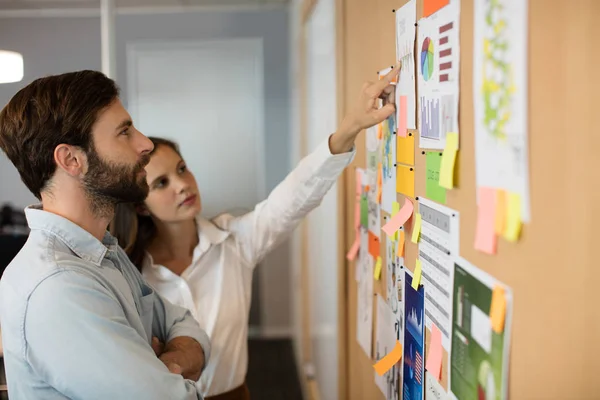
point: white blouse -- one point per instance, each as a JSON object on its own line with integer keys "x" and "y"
{"x": 217, "y": 286}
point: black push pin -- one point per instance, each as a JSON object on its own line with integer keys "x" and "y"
{"x": 441, "y": 154}
{"x": 417, "y": 198}
{"x": 423, "y": 152}
{"x": 411, "y": 169}
{"x": 410, "y": 134}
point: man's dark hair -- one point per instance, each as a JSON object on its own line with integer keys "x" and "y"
{"x": 50, "y": 111}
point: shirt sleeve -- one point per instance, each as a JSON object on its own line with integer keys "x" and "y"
{"x": 79, "y": 341}
{"x": 171, "y": 321}
{"x": 260, "y": 230}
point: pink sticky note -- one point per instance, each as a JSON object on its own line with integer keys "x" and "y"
{"x": 434, "y": 353}
{"x": 351, "y": 255}
{"x": 399, "y": 219}
{"x": 485, "y": 235}
{"x": 401, "y": 117}
{"x": 358, "y": 183}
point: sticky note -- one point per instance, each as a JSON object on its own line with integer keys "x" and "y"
{"x": 448, "y": 161}
{"x": 401, "y": 244}
{"x": 433, "y": 190}
{"x": 395, "y": 210}
{"x": 352, "y": 253}
{"x": 416, "y": 233}
{"x": 498, "y": 309}
{"x": 357, "y": 214}
{"x": 405, "y": 180}
{"x": 416, "y": 281}
{"x": 364, "y": 212}
{"x": 399, "y": 219}
{"x": 380, "y": 130}
{"x": 485, "y": 235}
{"x": 500, "y": 219}
{"x": 513, "y": 217}
{"x": 379, "y": 182}
{"x": 386, "y": 363}
{"x": 377, "y": 270}
{"x": 431, "y": 6}
{"x": 374, "y": 246}
{"x": 434, "y": 353}
{"x": 405, "y": 149}
{"x": 402, "y": 117}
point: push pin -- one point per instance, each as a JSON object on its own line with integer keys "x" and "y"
{"x": 417, "y": 198}
{"x": 423, "y": 152}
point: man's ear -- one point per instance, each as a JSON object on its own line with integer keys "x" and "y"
{"x": 142, "y": 210}
{"x": 71, "y": 159}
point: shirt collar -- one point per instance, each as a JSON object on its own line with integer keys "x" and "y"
{"x": 80, "y": 241}
{"x": 209, "y": 232}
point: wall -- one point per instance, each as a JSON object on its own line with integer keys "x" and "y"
{"x": 55, "y": 45}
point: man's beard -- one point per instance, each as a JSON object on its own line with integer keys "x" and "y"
{"x": 108, "y": 184}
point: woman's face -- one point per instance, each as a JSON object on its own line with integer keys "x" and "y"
{"x": 173, "y": 195}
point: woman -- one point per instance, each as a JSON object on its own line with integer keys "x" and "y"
{"x": 206, "y": 266}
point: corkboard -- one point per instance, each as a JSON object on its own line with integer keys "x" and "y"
{"x": 552, "y": 270}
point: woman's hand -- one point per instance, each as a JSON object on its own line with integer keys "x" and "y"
{"x": 365, "y": 113}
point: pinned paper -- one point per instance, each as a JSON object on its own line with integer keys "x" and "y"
{"x": 377, "y": 271}
{"x": 380, "y": 130}
{"x": 395, "y": 210}
{"x": 379, "y": 182}
{"x": 401, "y": 244}
{"x": 374, "y": 246}
{"x": 498, "y": 309}
{"x": 417, "y": 275}
{"x": 399, "y": 219}
{"x": 513, "y": 218}
{"x": 381, "y": 74}
{"x": 500, "y": 220}
{"x": 448, "y": 161}
{"x": 405, "y": 149}
{"x": 405, "y": 180}
{"x": 431, "y": 6}
{"x": 364, "y": 212}
{"x": 387, "y": 362}
{"x": 433, "y": 190}
{"x": 485, "y": 236}
{"x": 402, "y": 117}
{"x": 416, "y": 233}
{"x": 353, "y": 252}
{"x": 434, "y": 353}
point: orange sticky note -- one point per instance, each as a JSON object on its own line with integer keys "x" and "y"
{"x": 379, "y": 182}
{"x": 401, "y": 117}
{"x": 351, "y": 255}
{"x": 416, "y": 281}
{"x": 416, "y": 233}
{"x": 399, "y": 219}
{"x": 405, "y": 149}
{"x": 374, "y": 246}
{"x": 434, "y": 353}
{"x": 500, "y": 212}
{"x": 401, "y": 244}
{"x": 512, "y": 229}
{"x": 485, "y": 236}
{"x": 386, "y": 363}
{"x": 431, "y": 6}
{"x": 498, "y": 309}
{"x": 377, "y": 270}
{"x": 405, "y": 180}
{"x": 380, "y": 130}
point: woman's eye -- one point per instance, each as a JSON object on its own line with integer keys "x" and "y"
{"x": 161, "y": 183}
{"x": 182, "y": 169}
{"x": 125, "y": 131}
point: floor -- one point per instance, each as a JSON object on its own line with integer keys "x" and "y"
{"x": 272, "y": 372}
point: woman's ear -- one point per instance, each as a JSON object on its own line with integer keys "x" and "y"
{"x": 142, "y": 210}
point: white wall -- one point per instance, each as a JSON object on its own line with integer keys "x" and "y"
{"x": 56, "y": 45}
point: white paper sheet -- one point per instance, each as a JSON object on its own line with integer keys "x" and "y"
{"x": 500, "y": 97}
{"x": 364, "y": 312}
{"x": 406, "y": 16}
{"x": 384, "y": 343}
{"x": 438, "y": 55}
{"x": 433, "y": 389}
{"x": 438, "y": 246}
{"x": 363, "y": 254}
{"x": 388, "y": 160}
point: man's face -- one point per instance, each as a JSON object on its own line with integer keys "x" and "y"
{"x": 117, "y": 158}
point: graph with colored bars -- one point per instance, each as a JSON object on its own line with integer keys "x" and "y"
{"x": 445, "y": 57}
{"x": 418, "y": 368}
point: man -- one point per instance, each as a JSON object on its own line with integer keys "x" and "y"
{"x": 78, "y": 321}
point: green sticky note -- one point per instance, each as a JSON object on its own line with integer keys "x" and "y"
{"x": 364, "y": 211}
{"x": 433, "y": 190}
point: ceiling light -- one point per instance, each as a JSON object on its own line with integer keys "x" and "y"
{"x": 11, "y": 66}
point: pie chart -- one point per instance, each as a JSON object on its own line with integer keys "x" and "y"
{"x": 427, "y": 59}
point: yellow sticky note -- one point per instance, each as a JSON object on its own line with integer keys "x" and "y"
{"x": 448, "y": 161}
{"x": 417, "y": 275}
{"x": 377, "y": 271}
{"x": 405, "y": 149}
{"x": 416, "y": 233}
{"x": 395, "y": 210}
{"x": 513, "y": 217}
{"x": 405, "y": 180}
{"x": 500, "y": 217}
{"x": 498, "y": 309}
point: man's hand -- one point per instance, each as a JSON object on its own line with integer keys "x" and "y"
{"x": 183, "y": 356}
{"x": 366, "y": 114}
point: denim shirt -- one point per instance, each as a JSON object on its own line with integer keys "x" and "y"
{"x": 77, "y": 320}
